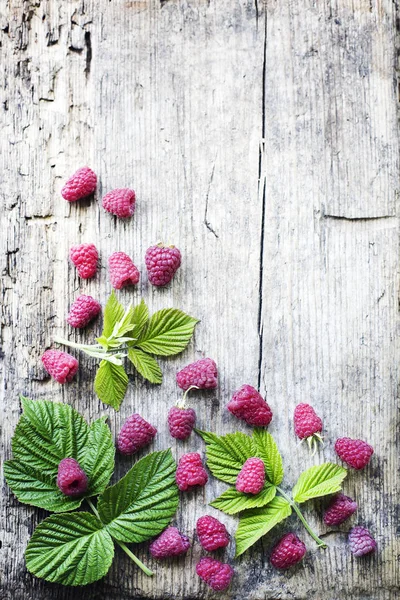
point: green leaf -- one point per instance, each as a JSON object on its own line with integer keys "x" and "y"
{"x": 227, "y": 454}
{"x": 268, "y": 451}
{"x": 317, "y": 481}
{"x": 124, "y": 325}
{"x": 110, "y": 383}
{"x": 232, "y": 501}
{"x": 168, "y": 332}
{"x": 143, "y": 502}
{"x": 255, "y": 523}
{"x": 146, "y": 365}
{"x": 97, "y": 457}
{"x": 140, "y": 318}
{"x": 113, "y": 312}
{"x": 70, "y": 549}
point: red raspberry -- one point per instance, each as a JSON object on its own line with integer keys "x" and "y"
{"x": 85, "y": 257}
{"x": 71, "y": 478}
{"x": 339, "y": 510}
{"x": 215, "y": 573}
{"x": 135, "y": 434}
{"x": 355, "y": 453}
{"x": 82, "y": 311}
{"x": 306, "y": 421}
{"x": 212, "y": 533}
{"x": 287, "y": 552}
{"x": 181, "y": 422}
{"x": 190, "y": 472}
{"x": 170, "y": 543}
{"x": 247, "y": 404}
{"x": 60, "y": 365}
{"x": 120, "y": 202}
{"x": 162, "y": 263}
{"x": 122, "y": 270}
{"x": 201, "y": 374}
{"x": 361, "y": 541}
{"x": 82, "y": 183}
{"x": 251, "y": 478}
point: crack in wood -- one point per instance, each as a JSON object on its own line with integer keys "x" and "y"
{"x": 205, "y": 221}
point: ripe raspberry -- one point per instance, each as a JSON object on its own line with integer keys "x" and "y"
{"x": 60, "y": 365}
{"x": 122, "y": 270}
{"x": 307, "y": 425}
{"x": 170, "y": 543}
{"x": 82, "y": 183}
{"x": 190, "y": 472}
{"x": 181, "y": 422}
{"x": 82, "y": 311}
{"x": 361, "y": 541}
{"x": 85, "y": 257}
{"x": 339, "y": 510}
{"x": 355, "y": 453}
{"x": 201, "y": 374}
{"x": 71, "y": 478}
{"x": 120, "y": 202}
{"x": 135, "y": 434}
{"x": 251, "y": 478}
{"x": 247, "y": 404}
{"x": 287, "y": 552}
{"x": 215, "y": 573}
{"x": 162, "y": 263}
{"x": 212, "y": 533}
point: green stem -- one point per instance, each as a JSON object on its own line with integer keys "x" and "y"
{"x": 182, "y": 403}
{"x": 297, "y": 510}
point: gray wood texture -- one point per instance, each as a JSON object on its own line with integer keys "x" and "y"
{"x": 262, "y": 139}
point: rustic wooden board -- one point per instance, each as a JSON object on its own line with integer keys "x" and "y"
{"x": 262, "y": 139}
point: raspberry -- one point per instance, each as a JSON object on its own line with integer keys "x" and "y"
{"x": 287, "y": 552}
{"x": 355, "y": 453}
{"x": 307, "y": 425}
{"x": 60, "y": 365}
{"x": 247, "y": 404}
{"x": 85, "y": 257}
{"x": 120, "y": 202}
{"x": 181, "y": 422}
{"x": 361, "y": 541}
{"x": 215, "y": 573}
{"x": 251, "y": 478}
{"x": 82, "y": 311}
{"x": 190, "y": 472}
{"x": 122, "y": 270}
{"x": 135, "y": 434}
{"x": 170, "y": 543}
{"x": 82, "y": 183}
{"x": 201, "y": 374}
{"x": 162, "y": 263}
{"x": 339, "y": 510}
{"x": 212, "y": 533}
{"x": 71, "y": 478}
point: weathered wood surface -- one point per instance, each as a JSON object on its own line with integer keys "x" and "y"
{"x": 262, "y": 139}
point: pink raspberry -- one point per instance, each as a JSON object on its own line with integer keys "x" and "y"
{"x": 212, "y": 533}
{"x": 201, "y": 374}
{"x": 251, "y": 478}
{"x": 361, "y": 541}
{"x": 122, "y": 270}
{"x": 339, "y": 510}
{"x": 81, "y": 184}
{"x": 71, "y": 478}
{"x": 215, "y": 573}
{"x": 60, "y": 365}
{"x": 190, "y": 472}
{"x": 306, "y": 421}
{"x": 162, "y": 263}
{"x": 85, "y": 258}
{"x": 170, "y": 543}
{"x": 247, "y": 404}
{"x": 181, "y": 422}
{"x": 120, "y": 202}
{"x": 355, "y": 453}
{"x": 82, "y": 311}
{"x": 135, "y": 434}
{"x": 287, "y": 552}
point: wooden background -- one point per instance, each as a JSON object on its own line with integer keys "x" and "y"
{"x": 262, "y": 139}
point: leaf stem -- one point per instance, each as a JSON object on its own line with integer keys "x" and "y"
{"x": 297, "y": 510}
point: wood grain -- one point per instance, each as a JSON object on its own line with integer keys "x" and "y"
{"x": 262, "y": 139}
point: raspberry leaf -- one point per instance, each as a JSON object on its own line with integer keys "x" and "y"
{"x": 168, "y": 332}
{"x": 143, "y": 502}
{"x": 227, "y": 454}
{"x": 268, "y": 451}
{"x": 110, "y": 383}
{"x": 255, "y": 523}
{"x": 232, "y": 501}
{"x": 317, "y": 481}
{"x": 140, "y": 318}
{"x": 146, "y": 365}
{"x": 113, "y": 313}
{"x": 70, "y": 549}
